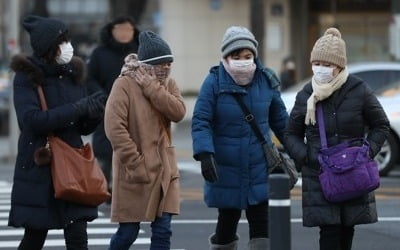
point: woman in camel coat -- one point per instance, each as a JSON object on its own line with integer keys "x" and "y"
{"x": 139, "y": 111}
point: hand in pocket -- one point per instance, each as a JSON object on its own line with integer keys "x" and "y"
{"x": 137, "y": 172}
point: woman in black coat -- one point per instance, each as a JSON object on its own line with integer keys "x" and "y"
{"x": 70, "y": 114}
{"x": 349, "y": 107}
{"x": 118, "y": 39}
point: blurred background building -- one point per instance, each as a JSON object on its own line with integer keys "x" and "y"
{"x": 194, "y": 29}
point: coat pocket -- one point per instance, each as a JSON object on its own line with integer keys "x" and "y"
{"x": 137, "y": 172}
{"x": 172, "y": 162}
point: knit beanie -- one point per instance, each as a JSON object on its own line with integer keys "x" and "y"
{"x": 43, "y": 32}
{"x": 237, "y": 37}
{"x": 153, "y": 49}
{"x": 330, "y": 48}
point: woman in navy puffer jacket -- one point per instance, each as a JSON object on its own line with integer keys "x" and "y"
{"x": 70, "y": 115}
{"x": 232, "y": 159}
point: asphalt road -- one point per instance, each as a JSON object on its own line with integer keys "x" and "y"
{"x": 196, "y": 222}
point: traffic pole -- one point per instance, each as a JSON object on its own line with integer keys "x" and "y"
{"x": 279, "y": 212}
{"x": 14, "y": 48}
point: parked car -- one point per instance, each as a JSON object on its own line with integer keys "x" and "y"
{"x": 384, "y": 80}
{"x": 388, "y": 157}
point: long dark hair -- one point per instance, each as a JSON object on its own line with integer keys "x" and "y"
{"x": 51, "y": 54}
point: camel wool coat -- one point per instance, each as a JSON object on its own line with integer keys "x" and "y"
{"x": 145, "y": 173}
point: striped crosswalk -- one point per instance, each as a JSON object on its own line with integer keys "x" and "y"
{"x": 99, "y": 231}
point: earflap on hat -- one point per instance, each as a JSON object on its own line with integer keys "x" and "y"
{"x": 153, "y": 49}
{"x": 43, "y": 32}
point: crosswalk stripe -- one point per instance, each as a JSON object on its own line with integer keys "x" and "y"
{"x": 97, "y": 231}
{"x": 61, "y": 242}
{"x": 4, "y": 207}
{"x": 5, "y": 190}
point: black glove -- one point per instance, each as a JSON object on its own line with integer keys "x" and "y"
{"x": 208, "y": 167}
{"x": 92, "y": 105}
{"x": 97, "y": 105}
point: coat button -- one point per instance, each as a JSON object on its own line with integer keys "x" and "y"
{"x": 30, "y": 143}
{"x": 60, "y": 77}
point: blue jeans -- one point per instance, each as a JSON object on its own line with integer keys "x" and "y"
{"x": 127, "y": 234}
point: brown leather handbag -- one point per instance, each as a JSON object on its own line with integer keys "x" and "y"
{"x": 76, "y": 174}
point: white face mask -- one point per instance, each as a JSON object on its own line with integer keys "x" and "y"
{"x": 322, "y": 74}
{"x": 240, "y": 64}
{"x": 66, "y": 53}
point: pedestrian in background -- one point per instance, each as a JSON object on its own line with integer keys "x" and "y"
{"x": 288, "y": 73}
{"x": 142, "y": 104}
{"x": 118, "y": 39}
{"x": 70, "y": 114}
{"x": 349, "y": 107}
{"x": 232, "y": 158}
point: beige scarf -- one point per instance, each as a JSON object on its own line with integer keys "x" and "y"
{"x": 322, "y": 91}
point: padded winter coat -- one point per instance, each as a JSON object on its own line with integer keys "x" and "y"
{"x": 347, "y": 114}
{"x": 219, "y": 127}
{"x": 32, "y": 198}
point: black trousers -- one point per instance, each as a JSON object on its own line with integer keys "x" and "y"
{"x": 228, "y": 219}
{"x": 75, "y": 235}
{"x": 336, "y": 237}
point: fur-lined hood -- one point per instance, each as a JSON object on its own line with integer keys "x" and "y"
{"x": 37, "y": 70}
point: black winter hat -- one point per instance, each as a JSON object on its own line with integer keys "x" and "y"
{"x": 153, "y": 49}
{"x": 43, "y": 32}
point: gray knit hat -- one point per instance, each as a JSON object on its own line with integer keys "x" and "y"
{"x": 330, "y": 48}
{"x": 43, "y": 32}
{"x": 153, "y": 49}
{"x": 237, "y": 37}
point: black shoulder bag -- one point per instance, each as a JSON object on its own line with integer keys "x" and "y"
{"x": 277, "y": 162}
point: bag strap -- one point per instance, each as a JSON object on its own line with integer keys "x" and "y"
{"x": 250, "y": 119}
{"x": 322, "y": 132}
{"x": 321, "y": 126}
{"x": 43, "y": 103}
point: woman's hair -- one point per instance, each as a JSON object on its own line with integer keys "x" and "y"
{"x": 238, "y": 51}
{"x": 123, "y": 19}
{"x": 52, "y": 52}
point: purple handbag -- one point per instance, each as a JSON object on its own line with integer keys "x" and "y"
{"x": 347, "y": 170}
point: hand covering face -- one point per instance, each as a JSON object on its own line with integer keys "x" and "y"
{"x": 132, "y": 64}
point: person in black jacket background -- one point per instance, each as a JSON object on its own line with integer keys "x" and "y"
{"x": 71, "y": 113}
{"x": 350, "y": 107}
{"x": 118, "y": 39}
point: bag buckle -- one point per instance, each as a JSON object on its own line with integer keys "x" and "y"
{"x": 249, "y": 117}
